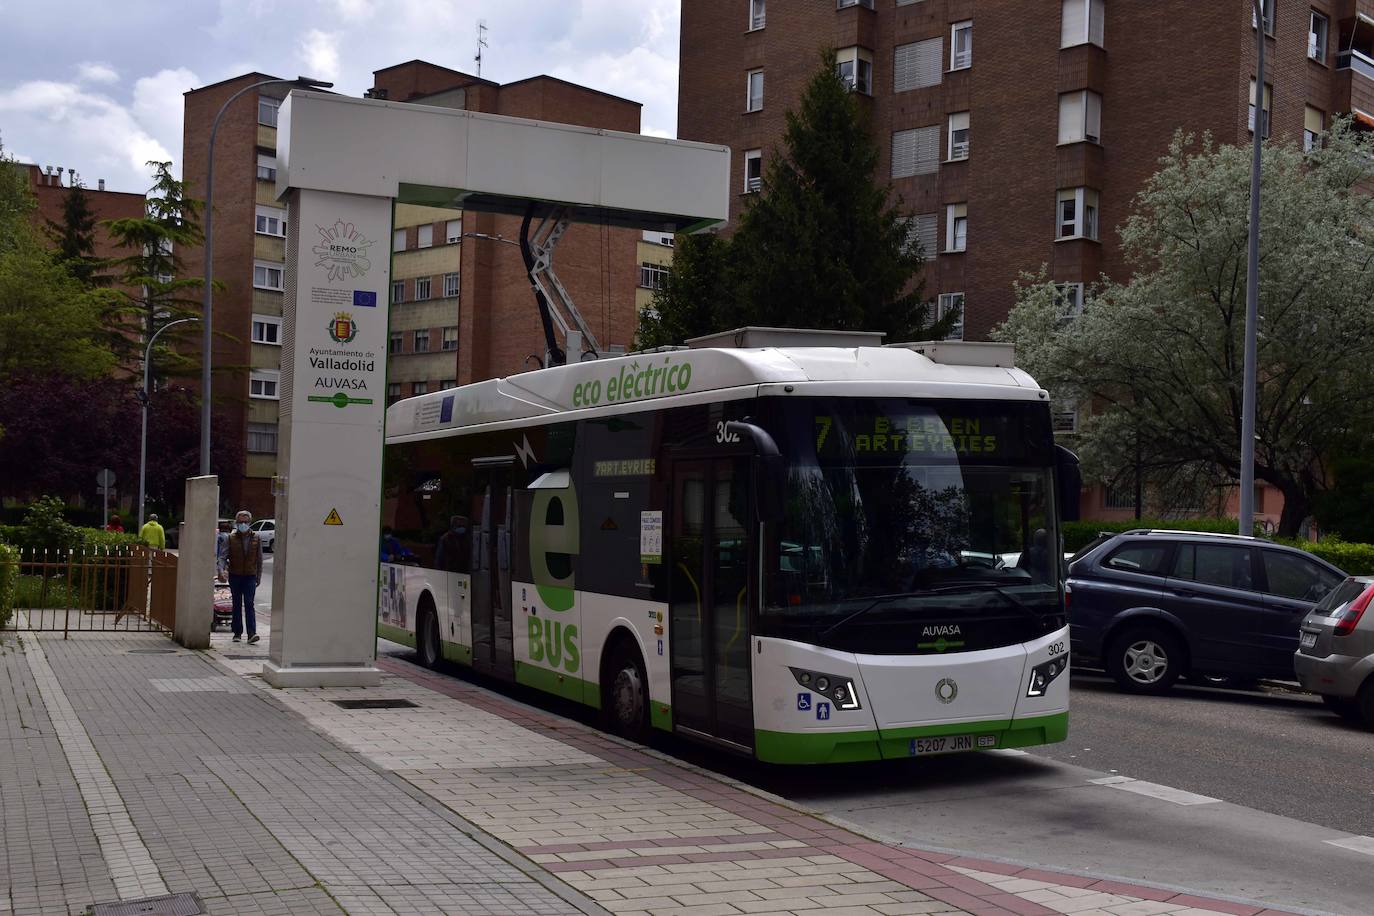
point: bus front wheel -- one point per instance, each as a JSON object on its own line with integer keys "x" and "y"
{"x": 625, "y": 703}
{"x": 427, "y": 636}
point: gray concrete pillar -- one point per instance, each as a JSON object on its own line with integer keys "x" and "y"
{"x": 196, "y": 564}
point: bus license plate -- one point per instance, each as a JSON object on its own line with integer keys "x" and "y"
{"x": 949, "y": 744}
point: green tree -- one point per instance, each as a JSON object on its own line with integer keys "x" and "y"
{"x": 1160, "y": 357}
{"x": 822, "y": 244}
{"x": 154, "y": 290}
{"x": 74, "y": 236}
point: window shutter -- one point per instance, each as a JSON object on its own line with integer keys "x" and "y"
{"x": 1095, "y": 23}
{"x": 1312, "y": 120}
{"x": 1093, "y": 119}
{"x": 916, "y": 65}
{"x": 927, "y": 150}
{"x": 927, "y": 227}
{"x": 1073, "y": 28}
{"x": 903, "y": 153}
{"x": 1071, "y": 117}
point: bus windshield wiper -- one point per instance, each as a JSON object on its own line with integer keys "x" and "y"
{"x": 968, "y": 587}
{"x": 872, "y": 603}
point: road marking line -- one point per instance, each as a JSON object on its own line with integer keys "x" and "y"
{"x": 1154, "y": 790}
{"x": 1362, "y": 844}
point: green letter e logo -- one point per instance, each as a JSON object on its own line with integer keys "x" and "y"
{"x": 553, "y": 544}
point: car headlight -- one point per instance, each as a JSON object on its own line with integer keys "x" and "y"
{"x": 1043, "y": 674}
{"x": 840, "y": 690}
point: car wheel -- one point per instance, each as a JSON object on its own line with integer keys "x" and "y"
{"x": 427, "y": 638}
{"x": 625, "y": 704}
{"x": 1345, "y": 707}
{"x": 1146, "y": 660}
{"x": 1365, "y": 701}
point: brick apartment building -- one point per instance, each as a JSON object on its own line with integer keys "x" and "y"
{"x": 462, "y": 309}
{"x": 1027, "y": 147}
{"x": 50, "y": 191}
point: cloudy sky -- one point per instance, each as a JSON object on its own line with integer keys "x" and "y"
{"x": 97, "y": 85}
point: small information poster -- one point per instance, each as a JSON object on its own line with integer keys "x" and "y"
{"x": 651, "y": 537}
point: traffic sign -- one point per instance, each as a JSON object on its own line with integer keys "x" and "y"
{"x": 105, "y": 478}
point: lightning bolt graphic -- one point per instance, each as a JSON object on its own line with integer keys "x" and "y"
{"x": 525, "y": 452}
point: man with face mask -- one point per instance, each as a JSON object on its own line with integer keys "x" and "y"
{"x": 244, "y": 550}
{"x": 451, "y": 554}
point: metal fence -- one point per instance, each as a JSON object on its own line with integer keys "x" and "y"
{"x": 129, "y": 589}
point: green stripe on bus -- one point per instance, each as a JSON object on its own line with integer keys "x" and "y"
{"x": 869, "y": 744}
{"x": 395, "y": 634}
{"x": 562, "y": 685}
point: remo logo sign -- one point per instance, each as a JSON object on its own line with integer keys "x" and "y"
{"x": 342, "y": 251}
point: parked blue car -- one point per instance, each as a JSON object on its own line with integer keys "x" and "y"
{"x": 1156, "y": 605}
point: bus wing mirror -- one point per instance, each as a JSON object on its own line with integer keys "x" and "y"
{"x": 1068, "y": 483}
{"x": 768, "y": 467}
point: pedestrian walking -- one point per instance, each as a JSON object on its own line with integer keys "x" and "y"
{"x": 153, "y": 534}
{"x": 114, "y": 524}
{"x": 244, "y": 563}
{"x": 222, "y": 550}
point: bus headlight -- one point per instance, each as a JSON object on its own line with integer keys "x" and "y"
{"x": 1043, "y": 674}
{"x": 839, "y": 690}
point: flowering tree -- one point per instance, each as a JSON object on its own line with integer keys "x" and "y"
{"x": 1160, "y": 358}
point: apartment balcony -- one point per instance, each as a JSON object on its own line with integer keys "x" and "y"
{"x": 1354, "y": 85}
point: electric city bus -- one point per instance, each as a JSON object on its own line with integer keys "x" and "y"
{"x": 807, "y": 554}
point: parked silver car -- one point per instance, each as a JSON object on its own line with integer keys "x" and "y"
{"x": 1335, "y": 656}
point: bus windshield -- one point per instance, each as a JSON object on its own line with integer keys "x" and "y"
{"x": 906, "y": 517}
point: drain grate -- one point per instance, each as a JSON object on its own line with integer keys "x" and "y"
{"x": 170, "y": 905}
{"x": 152, "y": 651}
{"x": 375, "y": 704}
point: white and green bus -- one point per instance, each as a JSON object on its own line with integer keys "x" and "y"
{"x": 810, "y": 555}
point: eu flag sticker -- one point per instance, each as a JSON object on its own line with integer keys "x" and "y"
{"x": 446, "y": 410}
{"x": 364, "y": 299}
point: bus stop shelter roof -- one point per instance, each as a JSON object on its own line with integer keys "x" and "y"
{"x": 475, "y": 161}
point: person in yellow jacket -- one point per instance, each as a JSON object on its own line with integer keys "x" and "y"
{"x": 152, "y": 534}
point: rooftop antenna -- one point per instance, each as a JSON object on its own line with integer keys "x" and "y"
{"x": 481, "y": 43}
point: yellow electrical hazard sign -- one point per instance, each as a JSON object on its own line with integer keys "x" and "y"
{"x": 333, "y": 518}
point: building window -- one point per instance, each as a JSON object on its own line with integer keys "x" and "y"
{"x": 425, "y": 236}
{"x": 446, "y": 384}
{"x": 1069, "y": 297}
{"x": 398, "y": 240}
{"x": 267, "y": 275}
{"x": 398, "y": 292}
{"x": 652, "y": 276}
{"x": 1316, "y": 36}
{"x": 947, "y": 303}
{"x": 753, "y": 170}
{"x": 450, "y": 338}
{"x": 916, "y": 66}
{"x": 419, "y": 388}
{"x": 842, "y": 4}
{"x": 450, "y": 285}
{"x": 270, "y": 221}
{"x": 961, "y": 45}
{"x": 267, "y": 330}
{"x": 854, "y": 66}
{"x": 421, "y": 289}
{"x": 421, "y": 341}
{"x": 958, "y": 136}
{"x": 393, "y": 392}
{"x": 1268, "y": 6}
{"x": 1314, "y": 123}
{"x": 1080, "y": 117}
{"x": 658, "y": 237}
{"x": 922, "y": 231}
{"x": 267, "y": 111}
{"x": 1268, "y": 103}
{"x": 1081, "y": 23}
{"x": 1065, "y": 421}
{"x": 262, "y": 383}
{"x": 956, "y": 227}
{"x": 395, "y": 343}
{"x": 1077, "y": 213}
{"x": 267, "y": 167}
{"x": 453, "y": 231}
{"x": 916, "y": 151}
{"x": 262, "y": 438}
{"x": 757, "y": 17}
{"x": 753, "y": 91}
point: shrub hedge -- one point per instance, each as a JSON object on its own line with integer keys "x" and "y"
{"x": 9, "y": 577}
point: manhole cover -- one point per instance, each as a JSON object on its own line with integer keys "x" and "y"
{"x": 170, "y": 905}
{"x": 375, "y": 704}
{"x": 152, "y": 651}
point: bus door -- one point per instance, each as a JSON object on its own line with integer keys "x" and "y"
{"x": 709, "y": 550}
{"x": 492, "y": 519}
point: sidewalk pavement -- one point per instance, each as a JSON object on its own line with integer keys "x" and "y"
{"x": 131, "y": 768}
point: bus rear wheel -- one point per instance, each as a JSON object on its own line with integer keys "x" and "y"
{"x": 625, "y": 696}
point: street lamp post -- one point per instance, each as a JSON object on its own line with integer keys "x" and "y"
{"x": 144, "y": 396}
{"x": 207, "y": 329}
{"x": 1248, "y": 396}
